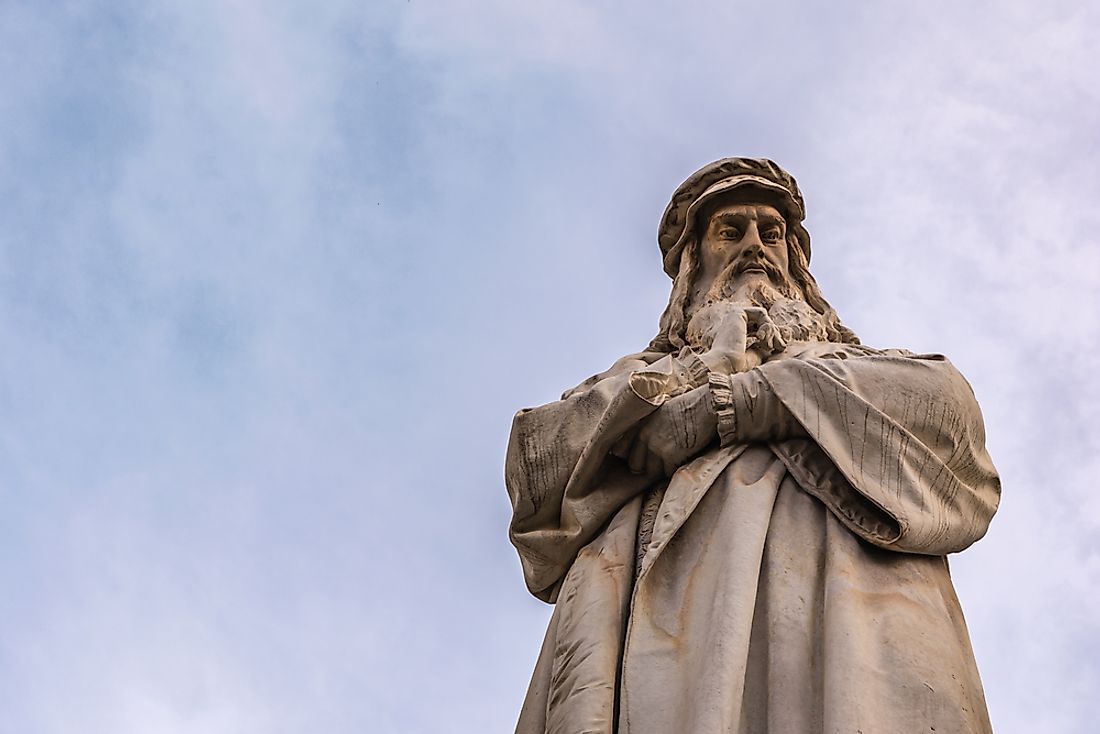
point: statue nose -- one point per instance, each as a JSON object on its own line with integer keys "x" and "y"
{"x": 753, "y": 249}
{"x": 752, "y": 238}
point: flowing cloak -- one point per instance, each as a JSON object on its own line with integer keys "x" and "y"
{"x": 793, "y": 579}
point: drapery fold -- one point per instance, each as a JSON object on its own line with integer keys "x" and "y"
{"x": 798, "y": 562}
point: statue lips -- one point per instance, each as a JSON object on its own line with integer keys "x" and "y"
{"x": 758, "y": 265}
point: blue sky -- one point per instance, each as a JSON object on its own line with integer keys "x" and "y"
{"x": 274, "y": 278}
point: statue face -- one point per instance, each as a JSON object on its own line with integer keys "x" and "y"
{"x": 745, "y": 244}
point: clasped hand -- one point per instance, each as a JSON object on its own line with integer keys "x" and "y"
{"x": 685, "y": 425}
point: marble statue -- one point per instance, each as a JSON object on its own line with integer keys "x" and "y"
{"x": 744, "y": 528}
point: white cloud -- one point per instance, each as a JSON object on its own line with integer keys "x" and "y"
{"x": 277, "y": 276}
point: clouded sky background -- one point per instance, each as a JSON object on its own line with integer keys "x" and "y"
{"x": 275, "y": 275}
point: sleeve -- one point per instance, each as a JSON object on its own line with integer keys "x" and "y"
{"x": 893, "y": 444}
{"x": 670, "y": 376}
{"x": 562, "y": 481}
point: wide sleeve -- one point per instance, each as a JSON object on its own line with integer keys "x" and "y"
{"x": 563, "y": 483}
{"x": 895, "y": 445}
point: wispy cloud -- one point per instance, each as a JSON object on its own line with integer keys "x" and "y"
{"x": 273, "y": 278}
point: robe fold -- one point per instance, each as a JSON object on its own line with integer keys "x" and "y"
{"x": 792, "y": 580}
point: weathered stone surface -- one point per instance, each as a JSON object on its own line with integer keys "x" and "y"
{"x": 744, "y": 527}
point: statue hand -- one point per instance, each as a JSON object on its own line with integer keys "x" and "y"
{"x": 678, "y": 431}
{"x": 729, "y": 352}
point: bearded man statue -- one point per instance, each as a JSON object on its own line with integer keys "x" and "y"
{"x": 745, "y": 527}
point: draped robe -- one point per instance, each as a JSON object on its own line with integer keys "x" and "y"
{"x": 791, "y": 579}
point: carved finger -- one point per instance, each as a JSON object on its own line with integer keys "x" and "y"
{"x": 770, "y": 338}
{"x": 756, "y": 315}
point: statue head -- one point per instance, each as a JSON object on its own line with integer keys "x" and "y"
{"x": 733, "y": 232}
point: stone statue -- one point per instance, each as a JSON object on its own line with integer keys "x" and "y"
{"x": 745, "y": 527}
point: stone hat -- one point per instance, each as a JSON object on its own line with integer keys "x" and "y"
{"x": 720, "y": 177}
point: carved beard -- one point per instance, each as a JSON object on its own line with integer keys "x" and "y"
{"x": 792, "y": 320}
{"x": 763, "y": 295}
{"x": 797, "y": 321}
{"x": 780, "y": 285}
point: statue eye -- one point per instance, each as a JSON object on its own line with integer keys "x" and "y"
{"x": 729, "y": 233}
{"x": 772, "y": 235}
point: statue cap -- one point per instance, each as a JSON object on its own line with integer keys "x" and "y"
{"x": 720, "y": 177}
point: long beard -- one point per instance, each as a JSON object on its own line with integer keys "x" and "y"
{"x": 797, "y": 321}
{"x": 794, "y": 319}
{"x": 725, "y": 285}
{"x": 791, "y": 320}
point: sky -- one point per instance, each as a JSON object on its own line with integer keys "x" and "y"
{"x": 274, "y": 277}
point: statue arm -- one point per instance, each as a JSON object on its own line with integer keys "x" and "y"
{"x": 896, "y": 443}
{"x": 688, "y": 419}
{"x": 573, "y": 463}
{"x": 563, "y": 480}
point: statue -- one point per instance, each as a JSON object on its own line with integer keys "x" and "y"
{"x": 745, "y": 527}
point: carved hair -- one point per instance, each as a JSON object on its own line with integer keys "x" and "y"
{"x": 673, "y": 325}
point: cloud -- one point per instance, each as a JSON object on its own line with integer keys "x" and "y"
{"x": 275, "y": 277}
